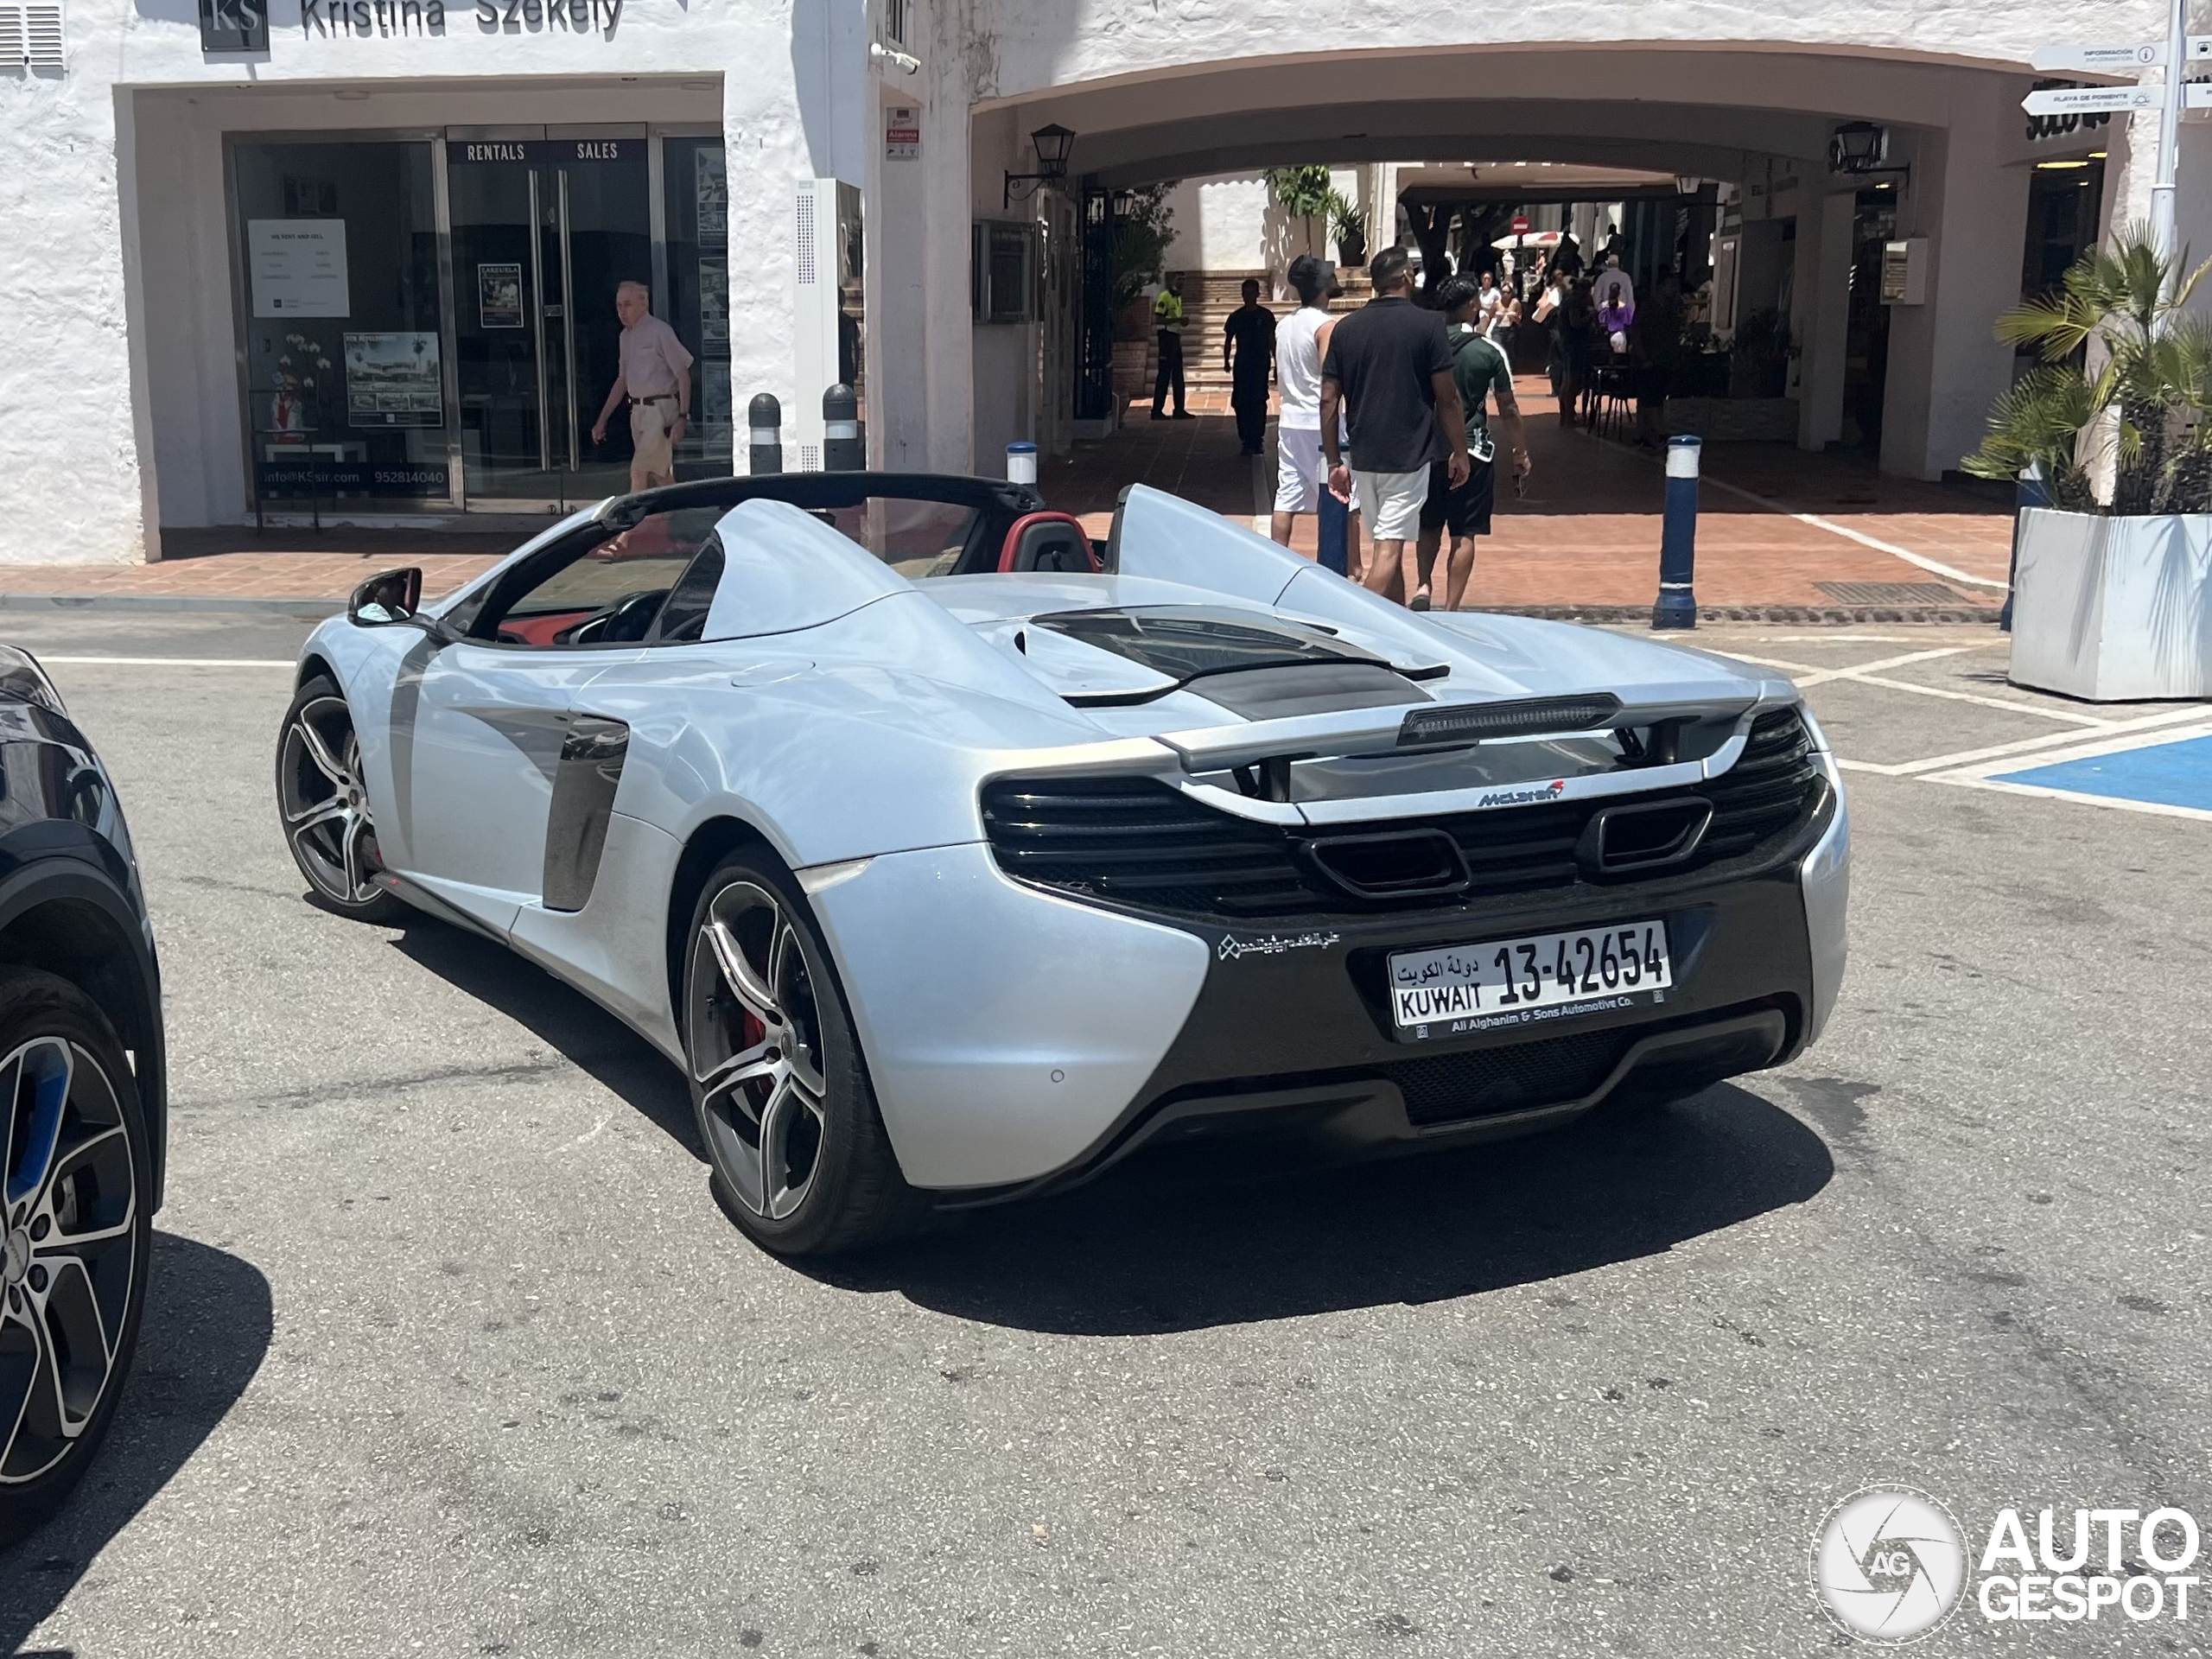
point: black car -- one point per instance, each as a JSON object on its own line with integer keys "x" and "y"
{"x": 83, "y": 1099}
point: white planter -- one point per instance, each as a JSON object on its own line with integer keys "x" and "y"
{"x": 2110, "y": 609}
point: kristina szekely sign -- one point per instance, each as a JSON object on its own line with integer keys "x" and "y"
{"x": 371, "y": 18}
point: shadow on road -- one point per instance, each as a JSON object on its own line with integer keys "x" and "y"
{"x": 570, "y": 1022}
{"x": 207, "y": 1326}
{"x": 1177, "y": 1244}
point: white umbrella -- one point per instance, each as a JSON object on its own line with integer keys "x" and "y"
{"x": 1529, "y": 239}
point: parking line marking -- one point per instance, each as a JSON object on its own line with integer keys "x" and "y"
{"x": 1820, "y": 674}
{"x": 1805, "y": 675}
{"x": 2157, "y": 809}
{"x": 2048, "y": 739}
{"x": 168, "y": 662}
{"x": 2011, "y": 703}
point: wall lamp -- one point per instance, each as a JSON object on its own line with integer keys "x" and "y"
{"x": 1859, "y": 147}
{"x": 1052, "y": 144}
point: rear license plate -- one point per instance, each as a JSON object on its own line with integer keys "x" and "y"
{"x": 1467, "y": 988}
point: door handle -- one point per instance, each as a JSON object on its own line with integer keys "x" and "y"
{"x": 569, "y": 328}
{"x": 537, "y": 333}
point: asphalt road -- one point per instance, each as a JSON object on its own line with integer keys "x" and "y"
{"x": 450, "y": 1352}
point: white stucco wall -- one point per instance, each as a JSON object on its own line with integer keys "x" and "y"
{"x": 1230, "y": 222}
{"x": 117, "y": 258}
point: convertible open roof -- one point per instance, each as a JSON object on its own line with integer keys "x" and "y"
{"x": 826, "y": 490}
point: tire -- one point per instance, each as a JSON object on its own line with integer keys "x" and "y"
{"x": 76, "y": 1228}
{"x": 785, "y": 1110}
{"x": 323, "y": 806}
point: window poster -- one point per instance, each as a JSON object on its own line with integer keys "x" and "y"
{"x": 710, "y": 190}
{"x": 716, "y": 415}
{"x": 393, "y": 379}
{"x": 714, "y": 306}
{"x": 498, "y": 296}
{"x": 298, "y": 267}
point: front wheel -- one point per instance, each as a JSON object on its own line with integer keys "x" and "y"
{"x": 76, "y": 1227}
{"x": 782, "y": 1092}
{"x": 324, "y": 807}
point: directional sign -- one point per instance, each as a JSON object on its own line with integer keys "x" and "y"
{"x": 2106, "y": 60}
{"x": 2197, "y": 95}
{"x": 2200, "y": 46}
{"x": 2090, "y": 100}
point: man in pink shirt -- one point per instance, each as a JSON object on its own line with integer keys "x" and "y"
{"x": 656, "y": 380}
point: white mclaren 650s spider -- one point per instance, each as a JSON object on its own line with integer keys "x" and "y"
{"x": 956, "y": 855}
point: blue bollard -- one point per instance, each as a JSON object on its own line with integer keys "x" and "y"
{"x": 1677, "y": 604}
{"x": 1334, "y": 525}
{"x": 2028, "y": 492}
{"x": 764, "y": 419}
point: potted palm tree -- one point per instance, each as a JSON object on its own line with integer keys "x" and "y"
{"x": 1349, "y": 226}
{"x": 2113, "y": 593}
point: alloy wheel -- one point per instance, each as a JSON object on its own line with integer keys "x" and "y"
{"x": 755, "y": 1039}
{"x": 325, "y": 805}
{"x": 69, "y": 1217}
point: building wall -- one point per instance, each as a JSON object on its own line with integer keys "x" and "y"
{"x": 116, "y": 260}
{"x": 1231, "y": 222}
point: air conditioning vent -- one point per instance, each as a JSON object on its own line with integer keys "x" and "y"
{"x": 803, "y": 224}
{"x": 31, "y": 36}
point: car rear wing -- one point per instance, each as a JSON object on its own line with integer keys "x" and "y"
{"x": 1245, "y": 768}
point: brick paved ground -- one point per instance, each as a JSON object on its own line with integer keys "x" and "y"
{"x": 1774, "y": 523}
{"x": 1586, "y": 532}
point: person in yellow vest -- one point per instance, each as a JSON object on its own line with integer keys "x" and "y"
{"x": 1168, "y": 317}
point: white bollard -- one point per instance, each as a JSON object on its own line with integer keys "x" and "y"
{"x": 1021, "y": 463}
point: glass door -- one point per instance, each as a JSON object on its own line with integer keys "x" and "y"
{"x": 544, "y": 231}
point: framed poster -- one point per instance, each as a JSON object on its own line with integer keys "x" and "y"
{"x": 710, "y": 192}
{"x": 298, "y": 267}
{"x": 394, "y": 379}
{"x": 714, "y": 306}
{"x": 716, "y": 415}
{"x": 498, "y": 296}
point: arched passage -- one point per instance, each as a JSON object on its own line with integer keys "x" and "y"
{"x": 1754, "y": 119}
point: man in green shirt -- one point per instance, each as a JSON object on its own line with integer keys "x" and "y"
{"x": 1480, "y": 371}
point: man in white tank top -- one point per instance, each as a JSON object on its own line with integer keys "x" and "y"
{"x": 1301, "y": 339}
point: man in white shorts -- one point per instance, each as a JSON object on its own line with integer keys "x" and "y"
{"x": 1390, "y": 365}
{"x": 1301, "y": 338}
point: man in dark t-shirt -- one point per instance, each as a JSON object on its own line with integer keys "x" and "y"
{"x": 1389, "y": 366}
{"x": 1247, "y": 352}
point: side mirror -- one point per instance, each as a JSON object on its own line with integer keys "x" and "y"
{"x": 391, "y": 596}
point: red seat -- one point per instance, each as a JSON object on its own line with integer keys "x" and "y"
{"x": 1048, "y": 540}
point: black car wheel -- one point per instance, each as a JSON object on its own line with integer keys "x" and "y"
{"x": 324, "y": 807}
{"x": 782, "y": 1092}
{"x": 76, "y": 1224}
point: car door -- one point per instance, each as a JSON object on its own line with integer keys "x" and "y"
{"x": 490, "y": 725}
{"x": 481, "y": 722}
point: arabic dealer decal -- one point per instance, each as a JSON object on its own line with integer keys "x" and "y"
{"x": 1231, "y": 949}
